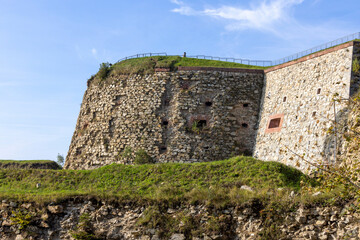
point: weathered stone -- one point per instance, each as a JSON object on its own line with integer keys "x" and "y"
{"x": 247, "y": 188}
{"x": 55, "y": 209}
{"x": 177, "y": 236}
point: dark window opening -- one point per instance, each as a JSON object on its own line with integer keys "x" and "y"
{"x": 165, "y": 123}
{"x": 206, "y": 148}
{"x": 319, "y": 91}
{"x": 274, "y": 123}
{"x": 78, "y": 152}
{"x": 163, "y": 149}
{"x": 245, "y": 125}
{"x": 314, "y": 114}
{"x": 208, "y": 104}
{"x": 284, "y": 100}
{"x": 167, "y": 102}
{"x": 245, "y": 105}
{"x": 201, "y": 123}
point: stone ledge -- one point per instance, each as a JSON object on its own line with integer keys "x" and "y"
{"x": 311, "y": 56}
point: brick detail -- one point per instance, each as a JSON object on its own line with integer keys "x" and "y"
{"x": 162, "y": 69}
{"x": 212, "y": 69}
{"x": 277, "y": 129}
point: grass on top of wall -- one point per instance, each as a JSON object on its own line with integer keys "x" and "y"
{"x": 147, "y": 65}
{"x": 216, "y": 183}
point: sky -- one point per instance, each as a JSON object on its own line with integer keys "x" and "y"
{"x": 50, "y": 48}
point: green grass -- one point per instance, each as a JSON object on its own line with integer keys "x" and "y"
{"x": 213, "y": 182}
{"x": 25, "y": 161}
{"x": 147, "y": 65}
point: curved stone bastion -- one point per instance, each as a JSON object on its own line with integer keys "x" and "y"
{"x": 195, "y": 114}
{"x": 189, "y": 115}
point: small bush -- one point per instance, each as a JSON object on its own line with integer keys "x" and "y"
{"x": 104, "y": 70}
{"x": 127, "y": 153}
{"x": 141, "y": 157}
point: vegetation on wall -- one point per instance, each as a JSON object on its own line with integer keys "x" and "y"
{"x": 147, "y": 65}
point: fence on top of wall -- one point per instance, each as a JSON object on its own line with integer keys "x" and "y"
{"x": 261, "y": 63}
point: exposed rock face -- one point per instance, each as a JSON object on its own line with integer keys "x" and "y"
{"x": 183, "y": 116}
{"x": 107, "y": 221}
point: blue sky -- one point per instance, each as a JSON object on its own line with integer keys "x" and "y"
{"x": 49, "y": 48}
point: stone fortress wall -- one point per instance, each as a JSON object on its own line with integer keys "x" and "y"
{"x": 298, "y": 108}
{"x": 236, "y": 111}
{"x": 192, "y": 115}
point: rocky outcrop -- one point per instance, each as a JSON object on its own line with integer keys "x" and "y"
{"x": 90, "y": 219}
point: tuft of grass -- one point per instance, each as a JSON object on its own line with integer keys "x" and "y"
{"x": 214, "y": 183}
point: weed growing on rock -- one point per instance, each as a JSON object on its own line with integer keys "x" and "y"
{"x": 21, "y": 218}
{"x": 142, "y": 157}
{"x": 84, "y": 230}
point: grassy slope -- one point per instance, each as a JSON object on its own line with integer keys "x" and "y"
{"x": 148, "y": 64}
{"x": 25, "y": 161}
{"x": 148, "y": 183}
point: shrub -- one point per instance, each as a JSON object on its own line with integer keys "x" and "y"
{"x": 141, "y": 157}
{"x": 60, "y": 159}
{"x": 104, "y": 70}
{"x": 127, "y": 153}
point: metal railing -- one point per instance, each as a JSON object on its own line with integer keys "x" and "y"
{"x": 140, "y": 55}
{"x": 317, "y": 48}
{"x": 261, "y": 63}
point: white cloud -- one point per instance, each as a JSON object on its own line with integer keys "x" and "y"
{"x": 94, "y": 52}
{"x": 184, "y": 9}
{"x": 264, "y": 16}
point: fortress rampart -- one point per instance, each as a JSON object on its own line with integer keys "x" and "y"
{"x": 204, "y": 114}
{"x": 194, "y": 114}
{"x": 300, "y": 95}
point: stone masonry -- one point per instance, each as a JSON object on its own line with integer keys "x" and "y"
{"x": 204, "y": 114}
{"x": 301, "y": 95}
{"x": 191, "y": 115}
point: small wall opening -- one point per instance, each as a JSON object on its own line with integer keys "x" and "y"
{"x": 274, "y": 123}
{"x": 166, "y": 102}
{"x": 245, "y": 125}
{"x": 201, "y": 124}
{"x": 284, "y": 99}
{"x": 208, "y": 103}
{"x": 319, "y": 91}
{"x": 245, "y": 105}
{"x": 163, "y": 149}
{"x": 314, "y": 114}
{"x": 165, "y": 122}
